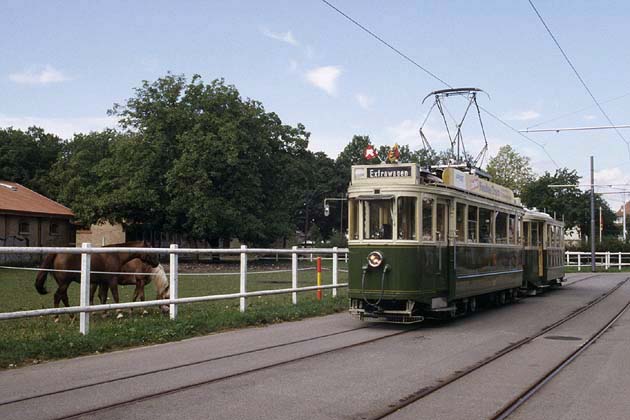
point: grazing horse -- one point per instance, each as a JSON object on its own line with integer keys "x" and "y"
{"x": 140, "y": 275}
{"x": 104, "y": 262}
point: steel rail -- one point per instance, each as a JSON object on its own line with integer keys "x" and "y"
{"x": 180, "y": 366}
{"x": 426, "y": 391}
{"x": 230, "y": 376}
{"x": 506, "y": 411}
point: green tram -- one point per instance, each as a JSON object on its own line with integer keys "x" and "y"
{"x": 543, "y": 249}
{"x": 431, "y": 243}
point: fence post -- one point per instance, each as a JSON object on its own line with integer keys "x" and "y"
{"x": 84, "y": 317}
{"x": 346, "y": 258}
{"x": 567, "y": 255}
{"x": 335, "y": 279}
{"x": 294, "y": 274}
{"x": 579, "y": 261}
{"x": 607, "y": 260}
{"x": 174, "y": 281}
{"x": 243, "y": 300}
{"x": 620, "y": 261}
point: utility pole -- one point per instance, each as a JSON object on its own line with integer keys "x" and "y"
{"x": 624, "y": 216}
{"x": 592, "y": 216}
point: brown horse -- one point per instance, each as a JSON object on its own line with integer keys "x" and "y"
{"x": 143, "y": 274}
{"x": 104, "y": 262}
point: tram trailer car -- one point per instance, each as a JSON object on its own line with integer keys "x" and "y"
{"x": 543, "y": 251}
{"x": 428, "y": 244}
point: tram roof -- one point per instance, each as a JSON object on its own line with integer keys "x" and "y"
{"x": 412, "y": 174}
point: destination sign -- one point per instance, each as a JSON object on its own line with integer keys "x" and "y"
{"x": 389, "y": 172}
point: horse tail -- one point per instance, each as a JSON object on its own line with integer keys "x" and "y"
{"x": 40, "y": 280}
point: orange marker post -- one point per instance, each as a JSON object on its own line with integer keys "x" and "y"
{"x": 319, "y": 277}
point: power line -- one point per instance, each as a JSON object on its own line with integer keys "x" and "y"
{"x": 433, "y": 75}
{"x": 566, "y": 57}
{"x": 568, "y": 114}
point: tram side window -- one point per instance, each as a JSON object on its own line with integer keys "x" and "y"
{"x": 472, "y": 224}
{"x": 460, "y": 225}
{"x": 534, "y": 237}
{"x": 407, "y": 217}
{"x": 502, "y": 228}
{"x": 485, "y": 225}
{"x": 427, "y": 219}
{"x": 526, "y": 234}
{"x": 512, "y": 229}
{"x": 353, "y": 219}
{"x": 379, "y": 220}
{"x": 441, "y": 221}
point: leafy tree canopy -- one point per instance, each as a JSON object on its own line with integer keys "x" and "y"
{"x": 511, "y": 169}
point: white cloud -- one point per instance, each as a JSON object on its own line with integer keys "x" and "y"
{"x": 325, "y": 78}
{"x": 63, "y": 127}
{"x": 293, "y": 65}
{"x": 364, "y": 101}
{"x": 590, "y": 117}
{"x": 522, "y": 115}
{"x": 281, "y": 36}
{"x": 44, "y": 76}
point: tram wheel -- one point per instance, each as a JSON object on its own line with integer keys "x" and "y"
{"x": 501, "y": 299}
{"x": 472, "y": 305}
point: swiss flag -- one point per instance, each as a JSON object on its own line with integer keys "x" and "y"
{"x": 370, "y": 153}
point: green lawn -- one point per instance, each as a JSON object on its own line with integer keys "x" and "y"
{"x": 31, "y": 340}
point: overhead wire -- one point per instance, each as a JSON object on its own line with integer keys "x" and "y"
{"x": 568, "y": 60}
{"x": 577, "y": 111}
{"x": 434, "y": 76}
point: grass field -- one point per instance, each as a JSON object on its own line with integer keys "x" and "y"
{"x": 31, "y": 340}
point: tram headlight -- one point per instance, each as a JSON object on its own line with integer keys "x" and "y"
{"x": 375, "y": 259}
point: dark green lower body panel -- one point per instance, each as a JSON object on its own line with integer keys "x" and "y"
{"x": 423, "y": 272}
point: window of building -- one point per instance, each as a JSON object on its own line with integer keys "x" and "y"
{"x": 485, "y": 225}
{"x": 407, "y": 217}
{"x": 460, "y": 222}
{"x": 427, "y": 219}
{"x": 53, "y": 229}
{"x": 472, "y": 224}
{"x": 24, "y": 228}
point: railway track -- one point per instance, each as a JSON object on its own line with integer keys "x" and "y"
{"x": 392, "y": 408}
{"x": 173, "y": 390}
{"x": 525, "y": 396}
{"x": 514, "y": 404}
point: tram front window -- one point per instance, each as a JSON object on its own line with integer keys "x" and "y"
{"x": 407, "y": 218}
{"x": 353, "y": 219}
{"x": 378, "y": 217}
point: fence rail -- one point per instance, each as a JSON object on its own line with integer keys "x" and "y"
{"x": 606, "y": 259}
{"x": 84, "y": 308}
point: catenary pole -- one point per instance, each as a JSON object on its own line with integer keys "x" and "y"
{"x": 592, "y": 216}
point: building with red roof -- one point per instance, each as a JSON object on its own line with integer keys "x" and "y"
{"x": 28, "y": 218}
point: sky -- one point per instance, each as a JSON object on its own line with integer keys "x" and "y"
{"x": 65, "y": 63}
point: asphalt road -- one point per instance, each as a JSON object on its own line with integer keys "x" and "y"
{"x": 335, "y": 377}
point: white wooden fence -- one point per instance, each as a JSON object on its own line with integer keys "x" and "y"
{"x": 84, "y": 309}
{"x": 604, "y": 259}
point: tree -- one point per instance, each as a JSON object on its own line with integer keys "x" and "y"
{"x": 510, "y": 169}
{"x": 26, "y": 157}
{"x": 569, "y": 203}
{"x": 216, "y": 166}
